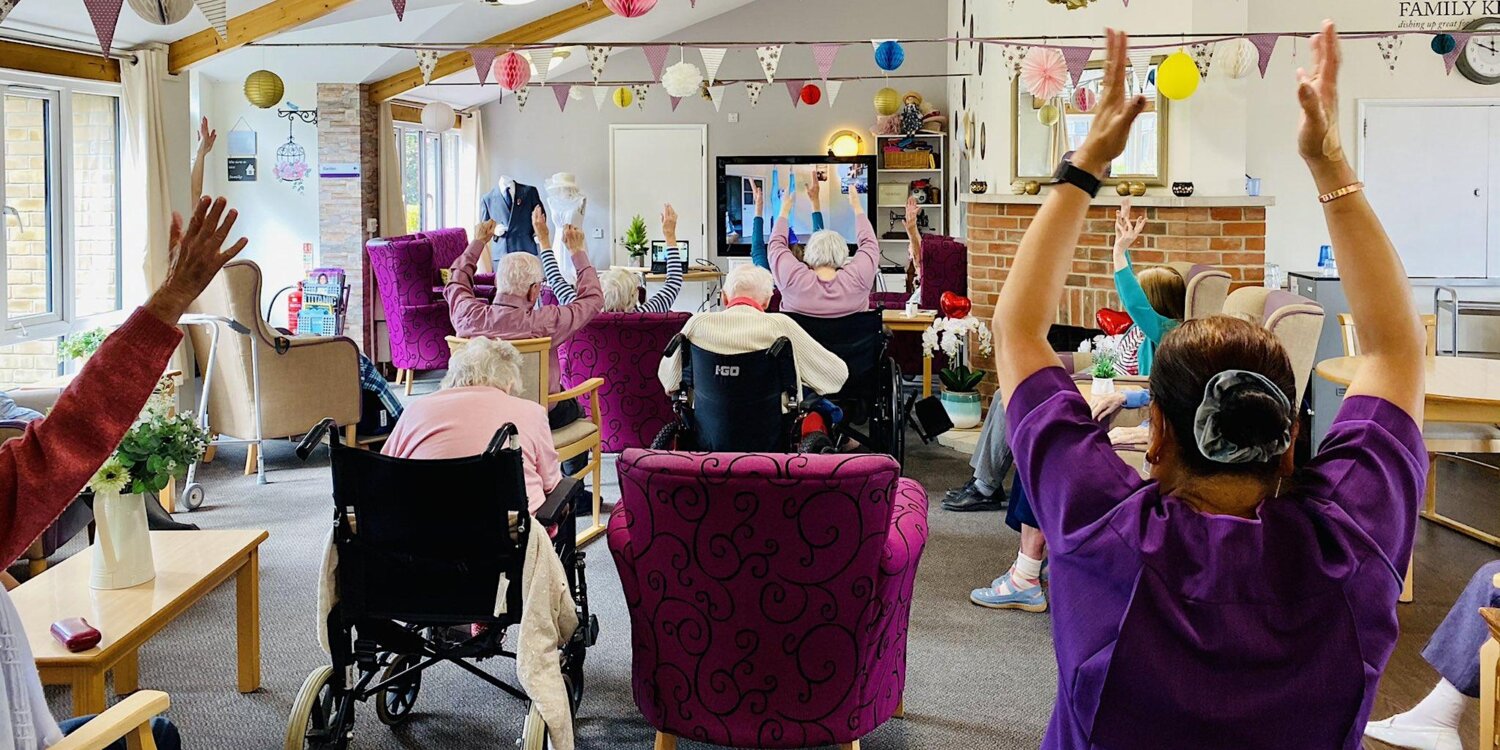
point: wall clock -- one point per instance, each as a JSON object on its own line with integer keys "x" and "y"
{"x": 1480, "y": 61}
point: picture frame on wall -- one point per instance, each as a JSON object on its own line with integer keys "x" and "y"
{"x": 242, "y": 140}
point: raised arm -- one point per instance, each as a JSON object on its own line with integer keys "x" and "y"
{"x": 206, "y": 140}
{"x": 1133, "y": 298}
{"x": 815, "y": 196}
{"x": 913, "y": 235}
{"x": 553, "y": 275}
{"x": 866, "y": 262}
{"x": 1028, "y": 302}
{"x": 758, "y": 230}
{"x": 1391, "y": 339}
{"x": 662, "y": 301}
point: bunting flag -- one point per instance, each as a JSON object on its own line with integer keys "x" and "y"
{"x": 713, "y": 57}
{"x": 1011, "y": 56}
{"x": 769, "y": 55}
{"x": 400, "y": 6}
{"x": 1460, "y": 43}
{"x": 716, "y": 93}
{"x": 640, "y": 91}
{"x": 106, "y": 15}
{"x": 824, "y": 55}
{"x": 676, "y": 100}
{"x": 597, "y": 57}
{"x": 795, "y": 89}
{"x": 1203, "y": 57}
{"x": 427, "y": 60}
{"x": 753, "y": 89}
{"x": 484, "y": 59}
{"x": 1265, "y": 44}
{"x": 601, "y": 95}
{"x": 561, "y": 91}
{"x": 218, "y": 15}
{"x": 1077, "y": 59}
{"x": 656, "y": 56}
{"x": 522, "y": 94}
{"x": 1140, "y": 67}
{"x": 1390, "y": 49}
{"x": 833, "y": 89}
{"x": 545, "y": 68}
{"x": 6, "y": 6}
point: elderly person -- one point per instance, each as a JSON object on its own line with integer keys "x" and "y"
{"x": 758, "y": 254}
{"x": 515, "y": 314}
{"x": 621, "y": 287}
{"x": 826, "y": 283}
{"x": 477, "y": 399}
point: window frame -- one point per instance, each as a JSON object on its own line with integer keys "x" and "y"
{"x": 432, "y": 190}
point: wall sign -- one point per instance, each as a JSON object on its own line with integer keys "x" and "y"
{"x": 339, "y": 171}
{"x": 242, "y": 169}
{"x": 1429, "y": 15}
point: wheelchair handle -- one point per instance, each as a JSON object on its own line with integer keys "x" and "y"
{"x": 673, "y": 346}
{"x": 315, "y": 436}
{"x": 502, "y": 436}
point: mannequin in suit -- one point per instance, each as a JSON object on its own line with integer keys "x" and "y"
{"x": 509, "y": 205}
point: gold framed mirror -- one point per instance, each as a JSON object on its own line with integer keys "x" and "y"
{"x": 1036, "y": 148}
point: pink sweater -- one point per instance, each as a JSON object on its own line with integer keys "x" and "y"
{"x": 460, "y": 422}
{"x": 848, "y": 292}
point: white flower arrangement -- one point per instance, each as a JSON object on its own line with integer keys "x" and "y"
{"x": 111, "y": 477}
{"x": 1107, "y": 353}
{"x": 950, "y": 334}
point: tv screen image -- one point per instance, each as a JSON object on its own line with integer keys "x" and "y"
{"x": 738, "y": 176}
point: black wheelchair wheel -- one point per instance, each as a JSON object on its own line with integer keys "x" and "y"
{"x": 394, "y": 703}
{"x": 897, "y": 414}
{"x": 675, "y": 436}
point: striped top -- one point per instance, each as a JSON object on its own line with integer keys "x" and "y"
{"x": 659, "y": 303}
{"x": 1130, "y": 351}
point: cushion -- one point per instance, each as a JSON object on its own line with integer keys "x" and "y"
{"x": 573, "y": 433}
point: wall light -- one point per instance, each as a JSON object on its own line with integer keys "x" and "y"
{"x": 845, "y": 143}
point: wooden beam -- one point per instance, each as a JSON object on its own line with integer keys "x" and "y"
{"x": 267, "y": 20}
{"x": 58, "y": 62}
{"x": 412, "y": 113}
{"x": 540, "y": 30}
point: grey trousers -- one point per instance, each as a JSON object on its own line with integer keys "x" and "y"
{"x": 1454, "y": 648}
{"x": 991, "y": 453}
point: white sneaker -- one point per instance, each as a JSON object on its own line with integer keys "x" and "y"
{"x": 1413, "y": 737}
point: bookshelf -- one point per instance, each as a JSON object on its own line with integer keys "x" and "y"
{"x": 896, "y": 176}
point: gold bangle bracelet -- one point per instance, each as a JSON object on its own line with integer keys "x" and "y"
{"x": 1341, "y": 192}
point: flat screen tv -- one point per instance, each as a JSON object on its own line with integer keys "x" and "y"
{"x": 738, "y": 176}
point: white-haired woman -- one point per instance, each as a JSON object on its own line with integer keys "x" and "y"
{"x": 826, "y": 282}
{"x": 475, "y": 400}
{"x": 621, "y": 288}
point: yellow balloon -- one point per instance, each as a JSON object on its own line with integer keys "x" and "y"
{"x": 623, "y": 97}
{"x": 887, "y": 102}
{"x": 1177, "y": 77}
{"x": 1048, "y": 115}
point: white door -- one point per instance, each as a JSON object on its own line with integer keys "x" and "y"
{"x": 652, "y": 165}
{"x": 1428, "y": 170}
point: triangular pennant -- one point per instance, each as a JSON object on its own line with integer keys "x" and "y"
{"x": 1390, "y": 49}
{"x": 400, "y": 6}
{"x": 105, "y": 14}
{"x": 795, "y": 89}
{"x": 824, "y": 55}
{"x": 427, "y": 60}
{"x": 6, "y": 6}
{"x": 1203, "y": 57}
{"x": 676, "y": 100}
{"x": 875, "y": 43}
{"x": 597, "y": 57}
{"x": 713, "y": 57}
{"x": 656, "y": 56}
{"x": 484, "y": 59}
{"x": 561, "y": 91}
{"x": 1011, "y": 56}
{"x": 833, "y": 88}
{"x": 1077, "y": 59}
{"x": 601, "y": 95}
{"x": 716, "y": 93}
{"x": 640, "y": 94}
{"x": 1140, "y": 67}
{"x": 218, "y": 15}
{"x": 545, "y": 68}
{"x": 770, "y": 58}
{"x": 522, "y": 94}
{"x": 753, "y": 90}
{"x": 1460, "y": 43}
{"x": 1265, "y": 44}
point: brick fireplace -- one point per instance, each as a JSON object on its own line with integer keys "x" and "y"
{"x": 1229, "y": 233}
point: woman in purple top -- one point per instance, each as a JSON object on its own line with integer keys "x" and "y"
{"x": 826, "y": 283}
{"x": 1232, "y": 601}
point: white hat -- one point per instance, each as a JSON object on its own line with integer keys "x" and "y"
{"x": 562, "y": 180}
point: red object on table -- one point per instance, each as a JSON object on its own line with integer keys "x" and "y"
{"x": 1113, "y": 322}
{"x": 954, "y": 306}
{"x": 76, "y": 634}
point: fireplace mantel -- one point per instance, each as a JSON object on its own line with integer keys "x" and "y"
{"x": 1145, "y": 201}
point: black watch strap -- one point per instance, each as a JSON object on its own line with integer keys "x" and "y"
{"x": 1082, "y": 179}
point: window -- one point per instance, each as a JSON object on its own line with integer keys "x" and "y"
{"x": 60, "y": 192}
{"x": 429, "y": 177}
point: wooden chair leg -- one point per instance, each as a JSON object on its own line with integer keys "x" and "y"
{"x": 351, "y": 435}
{"x": 849, "y": 745}
{"x": 35, "y": 568}
{"x": 665, "y": 741}
{"x": 900, "y": 709}
{"x": 250, "y": 457}
{"x": 410, "y": 376}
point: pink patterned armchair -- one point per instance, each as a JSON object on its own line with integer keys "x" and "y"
{"x": 447, "y": 245}
{"x": 945, "y": 268}
{"x": 624, "y": 349}
{"x": 769, "y": 594}
{"x": 419, "y": 325}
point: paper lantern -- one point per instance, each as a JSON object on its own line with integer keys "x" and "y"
{"x": 1177, "y": 78}
{"x": 1444, "y": 44}
{"x": 682, "y": 80}
{"x": 1084, "y": 99}
{"x": 1048, "y": 115}
{"x": 1240, "y": 58}
{"x": 887, "y": 102}
{"x": 623, "y": 97}
{"x": 512, "y": 71}
{"x": 811, "y": 94}
{"x": 1044, "y": 72}
{"x": 630, "y": 8}
{"x": 264, "y": 89}
{"x": 162, "y": 12}
{"x": 889, "y": 56}
{"x": 437, "y": 117}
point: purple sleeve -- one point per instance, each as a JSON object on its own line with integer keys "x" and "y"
{"x": 1064, "y": 459}
{"x": 1373, "y": 466}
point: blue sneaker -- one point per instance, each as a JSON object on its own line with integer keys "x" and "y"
{"x": 1005, "y": 595}
{"x": 1046, "y": 576}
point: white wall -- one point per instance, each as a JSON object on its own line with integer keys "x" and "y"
{"x": 533, "y": 144}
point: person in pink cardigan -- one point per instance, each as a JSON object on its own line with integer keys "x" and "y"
{"x": 827, "y": 282}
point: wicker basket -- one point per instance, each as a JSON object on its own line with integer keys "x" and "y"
{"x": 909, "y": 160}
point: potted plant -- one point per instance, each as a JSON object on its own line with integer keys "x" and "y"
{"x": 635, "y": 241}
{"x": 82, "y": 345}
{"x": 960, "y": 396}
{"x": 1106, "y": 366}
{"x": 159, "y": 448}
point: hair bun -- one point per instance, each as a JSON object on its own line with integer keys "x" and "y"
{"x": 1250, "y": 417}
{"x": 1244, "y": 418}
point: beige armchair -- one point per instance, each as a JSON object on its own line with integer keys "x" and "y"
{"x": 1296, "y": 321}
{"x": 310, "y": 379}
{"x": 1207, "y": 289}
{"x": 130, "y": 720}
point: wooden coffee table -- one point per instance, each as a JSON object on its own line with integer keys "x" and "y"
{"x": 897, "y": 321}
{"x": 189, "y": 564}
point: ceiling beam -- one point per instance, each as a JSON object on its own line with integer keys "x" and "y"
{"x": 267, "y": 20}
{"x": 58, "y": 62}
{"x": 540, "y": 30}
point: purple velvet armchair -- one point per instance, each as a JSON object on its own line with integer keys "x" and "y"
{"x": 625, "y": 349}
{"x": 945, "y": 268}
{"x": 418, "y": 324}
{"x": 447, "y": 245}
{"x": 769, "y": 594}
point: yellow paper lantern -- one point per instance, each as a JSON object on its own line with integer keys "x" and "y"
{"x": 264, "y": 89}
{"x": 1048, "y": 115}
{"x": 623, "y": 97}
{"x": 1177, "y": 77}
{"x": 887, "y": 102}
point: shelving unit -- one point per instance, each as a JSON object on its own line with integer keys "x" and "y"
{"x": 937, "y": 213}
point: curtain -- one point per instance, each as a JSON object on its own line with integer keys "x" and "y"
{"x": 392, "y": 204}
{"x": 1060, "y": 133}
{"x": 474, "y": 178}
{"x": 147, "y": 208}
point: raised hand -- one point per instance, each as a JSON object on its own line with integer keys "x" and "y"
{"x": 1115, "y": 113}
{"x": 856, "y": 200}
{"x": 912, "y": 213}
{"x": 539, "y": 227}
{"x": 206, "y": 137}
{"x": 815, "y": 191}
{"x": 760, "y": 198}
{"x": 1318, "y": 139}
{"x": 1127, "y": 228}
{"x": 573, "y": 238}
{"x": 196, "y": 254}
{"x": 669, "y": 225}
{"x": 485, "y": 228}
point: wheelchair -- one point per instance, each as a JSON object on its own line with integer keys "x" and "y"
{"x": 872, "y": 399}
{"x": 413, "y": 583}
{"x": 738, "y": 403}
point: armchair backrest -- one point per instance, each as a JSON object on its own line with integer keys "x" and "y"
{"x": 1296, "y": 321}
{"x": 447, "y": 245}
{"x": 625, "y": 349}
{"x": 403, "y": 271}
{"x": 1351, "y": 336}
{"x": 945, "y": 268}
{"x": 1207, "y": 289}
{"x": 536, "y": 366}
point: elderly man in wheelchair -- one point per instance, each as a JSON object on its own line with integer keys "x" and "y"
{"x": 404, "y": 587}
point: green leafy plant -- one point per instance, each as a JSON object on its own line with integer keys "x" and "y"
{"x": 960, "y": 379}
{"x": 160, "y": 448}
{"x": 81, "y": 345}
{"x": 1106, "y": 359}
{"x": 635, "y": 241}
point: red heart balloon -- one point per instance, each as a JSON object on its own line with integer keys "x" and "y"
{"x": 1113, "y": 322}
{"x": 954, "y": 305}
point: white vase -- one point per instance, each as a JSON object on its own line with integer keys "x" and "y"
{"x": 1102, "y": 386}
{"x": 122, "y": 542}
